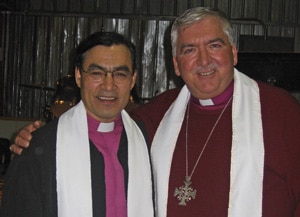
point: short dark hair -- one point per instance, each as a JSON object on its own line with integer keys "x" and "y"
{"x": 105, "y": 39}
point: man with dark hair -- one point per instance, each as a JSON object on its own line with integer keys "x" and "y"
{"x": 93, "y": 160}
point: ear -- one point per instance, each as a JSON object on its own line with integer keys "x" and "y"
{"x": 234, "y": 54}
{"x": 133, "y": 79}
{"x": 176, "y": 68}
{"x": 78, "y": 77}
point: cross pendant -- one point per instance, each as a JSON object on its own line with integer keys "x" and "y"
{"x": 185, "y": 193}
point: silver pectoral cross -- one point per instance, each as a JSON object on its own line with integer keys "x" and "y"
{"x": 185, "y": 193}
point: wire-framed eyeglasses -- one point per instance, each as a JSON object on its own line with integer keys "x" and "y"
{"x": 118, "y": 75}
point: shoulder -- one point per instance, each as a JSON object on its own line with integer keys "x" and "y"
{"x": 46, "y": 129}
{"x": 152, "y": 112}
{"x": 142, "y": 127}
{"x": 44, "y": 139}
{"x": 280, "y": 112}
{"x": 158, "y": 105}
{"x": 273, "y": 97}
{"x": 167, "y": 96}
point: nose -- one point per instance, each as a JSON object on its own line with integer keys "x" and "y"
{"x": 203, "y": 57}
{"x": 108, "y": 82}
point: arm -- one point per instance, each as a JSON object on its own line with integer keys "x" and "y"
{"x": 29, "y": 188}
{"x": 20, "y": 188}
{"x": 24, "y": 137}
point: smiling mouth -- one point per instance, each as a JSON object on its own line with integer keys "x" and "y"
{"x": 206, "y": 73}
{"x": 206, "y": 70}
{"x": 106, "y": 98}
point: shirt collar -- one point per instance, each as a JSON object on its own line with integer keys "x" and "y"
{"x": 215, "y": 102}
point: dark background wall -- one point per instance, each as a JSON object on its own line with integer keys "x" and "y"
{"x": 37, "y": 38}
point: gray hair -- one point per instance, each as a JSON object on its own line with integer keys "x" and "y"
{"x": 194, "y": 15}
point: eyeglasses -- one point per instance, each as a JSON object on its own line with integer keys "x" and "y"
{"x": 118, "y": 75}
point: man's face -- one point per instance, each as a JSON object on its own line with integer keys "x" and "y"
{"x": 204, "y": 58}
{"x": 104, "y": 100}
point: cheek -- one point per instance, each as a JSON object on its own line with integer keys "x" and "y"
{"x": 225, "y": 58}
{"x": 187, "y": 63}
{"x": 125, "y": 92}
{"x": 88, "y": 88}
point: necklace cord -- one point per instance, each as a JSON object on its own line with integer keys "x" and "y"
{"x": 206, "y": 142}
{"x": 186, "y": 140}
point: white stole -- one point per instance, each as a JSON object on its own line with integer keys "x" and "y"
{"x": 73, "y": 174}
{"x": 247, "y": 153}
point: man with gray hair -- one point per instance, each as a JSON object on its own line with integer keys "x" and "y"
{"x": 224, "y": 144}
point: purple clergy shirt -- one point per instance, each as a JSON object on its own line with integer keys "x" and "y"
{"x": 108, "y": 144}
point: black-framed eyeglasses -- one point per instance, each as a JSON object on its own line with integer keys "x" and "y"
{"x": 118, "y": 75}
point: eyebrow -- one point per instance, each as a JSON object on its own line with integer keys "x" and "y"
{"x": 208, "y": 42}
{"x": 116, "y": 68}
{"x": 185, "y": 46}
{"x": 216, "y": 40}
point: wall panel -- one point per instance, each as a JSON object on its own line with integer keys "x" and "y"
{"x": 40, "y": 35}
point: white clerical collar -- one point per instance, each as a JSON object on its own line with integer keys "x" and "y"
{"x": 206, "y": 102}
{"x": 106, "y": 127}
{"x": 219, "y": 100}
